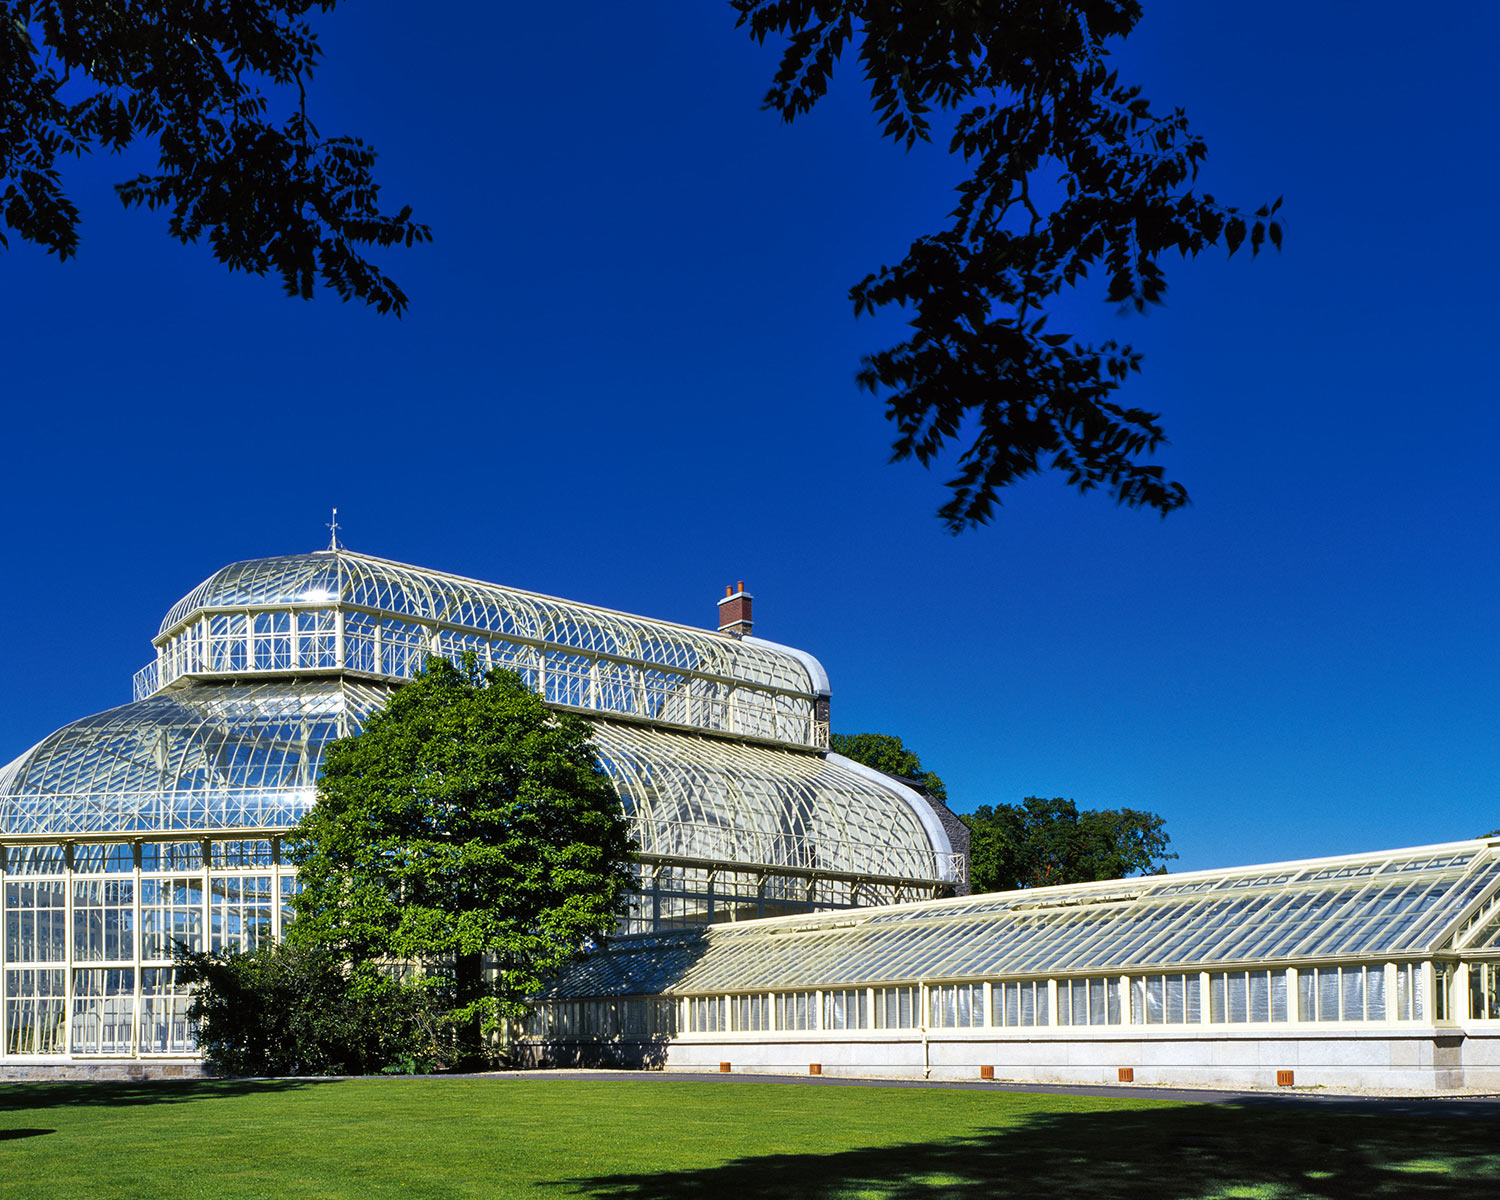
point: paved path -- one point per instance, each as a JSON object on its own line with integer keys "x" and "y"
{"x": 1480, "y": 1107}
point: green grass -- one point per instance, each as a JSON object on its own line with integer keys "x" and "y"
{"x": 651, "y": 1138}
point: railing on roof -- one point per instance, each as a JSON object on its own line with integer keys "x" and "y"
{"x": 49, "y": 815}
{"x": 321, "y": 640}
{"x": 146, "y": 681}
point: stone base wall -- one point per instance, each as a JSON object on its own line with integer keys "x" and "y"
{"x": 102, "y": 1069}
{"x": 1414, "y": 1060}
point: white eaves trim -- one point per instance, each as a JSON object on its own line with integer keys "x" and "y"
{"x": 914, "y": 799}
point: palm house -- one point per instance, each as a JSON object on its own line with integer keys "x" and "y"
{"x": 793, "y": 911}
{"x": 160, "y": 821}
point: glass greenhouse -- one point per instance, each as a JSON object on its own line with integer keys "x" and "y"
{"x": 1378, "y": 963}
{"x": 160, "y": 821}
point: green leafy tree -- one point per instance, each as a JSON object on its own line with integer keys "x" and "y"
{"x": 1041, "y": 842}
{"x": 886, "y": 752}
{"x": 466, "y": 824}
{"x": 1072, "y": 174}
{"x": 220, "y": 89}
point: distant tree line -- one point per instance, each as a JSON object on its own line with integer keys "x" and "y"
{"x": 1037, "y": 842}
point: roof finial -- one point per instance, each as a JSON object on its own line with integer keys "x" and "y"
{"x": 333, "y": 531}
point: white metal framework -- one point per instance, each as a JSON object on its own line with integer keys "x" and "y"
{"x": 338, "y": 611}
{"x": 160, "y": 820}
{"x": 1398, "y": 940}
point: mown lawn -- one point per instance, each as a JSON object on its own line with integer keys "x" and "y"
{"x": 648, "y": 1138}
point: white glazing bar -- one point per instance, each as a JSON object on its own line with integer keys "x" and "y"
{"x": 5, "y": 916}
{"x": 137, "y": 938}
{"x": 68, "y": 935}
{"x": 206, "y": 942}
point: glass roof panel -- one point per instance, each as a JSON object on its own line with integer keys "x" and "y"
{"x": 194, "y": 758}
{"x": 1331, "y": 909}
{"x": 715, "y": 799}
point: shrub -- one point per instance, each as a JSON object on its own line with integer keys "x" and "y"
{"x": 284, "y": 1010}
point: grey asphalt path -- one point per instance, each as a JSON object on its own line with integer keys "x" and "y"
{"x": 1470, "y": 1107}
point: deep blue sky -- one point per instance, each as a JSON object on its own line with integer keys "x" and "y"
{"x": 627, "y": 378}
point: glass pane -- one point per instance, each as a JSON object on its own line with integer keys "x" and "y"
{"x": 1260, "y": 996}
{"x": 1328, "y": 995}
{"x": 1353, "y": 984}
{"x": 1307, "y": 995}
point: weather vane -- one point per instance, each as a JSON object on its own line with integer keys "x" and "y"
{"x": 333, "y": 531}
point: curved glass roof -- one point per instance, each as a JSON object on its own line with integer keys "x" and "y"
{"x": 1406, "y": 904}
{"x": 214, "y": 756}
{"x": 196, "y": 758}
{"x": 713, "y": 799}
{"x": 346, "y": 579}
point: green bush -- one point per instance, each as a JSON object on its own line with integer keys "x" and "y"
{"x": 284, "y": 1010}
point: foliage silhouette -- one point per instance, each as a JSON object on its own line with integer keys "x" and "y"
{"x": 201, "y": 82}
{"x": 1071, "y": 172}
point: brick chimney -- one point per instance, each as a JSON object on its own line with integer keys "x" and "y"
{"x": 734, "y": 611}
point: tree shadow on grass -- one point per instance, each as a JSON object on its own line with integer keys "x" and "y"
{"x": 1179, "y": 1153}
{"x": 24, "y": 1096}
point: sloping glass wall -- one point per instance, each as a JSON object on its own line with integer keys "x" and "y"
{"x": 1398, "y": 937}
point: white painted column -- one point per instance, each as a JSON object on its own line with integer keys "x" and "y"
{"x": 138, "y": 1010}
{"x": 68, "y": 947}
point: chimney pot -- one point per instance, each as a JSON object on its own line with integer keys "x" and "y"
{"x": 734, "y": 612}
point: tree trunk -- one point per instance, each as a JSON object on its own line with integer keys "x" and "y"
{"x": 469, "y": 978}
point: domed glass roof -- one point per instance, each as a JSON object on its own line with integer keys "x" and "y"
{"x": 215, "y": 757}
{"x": 195, "y": 758}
